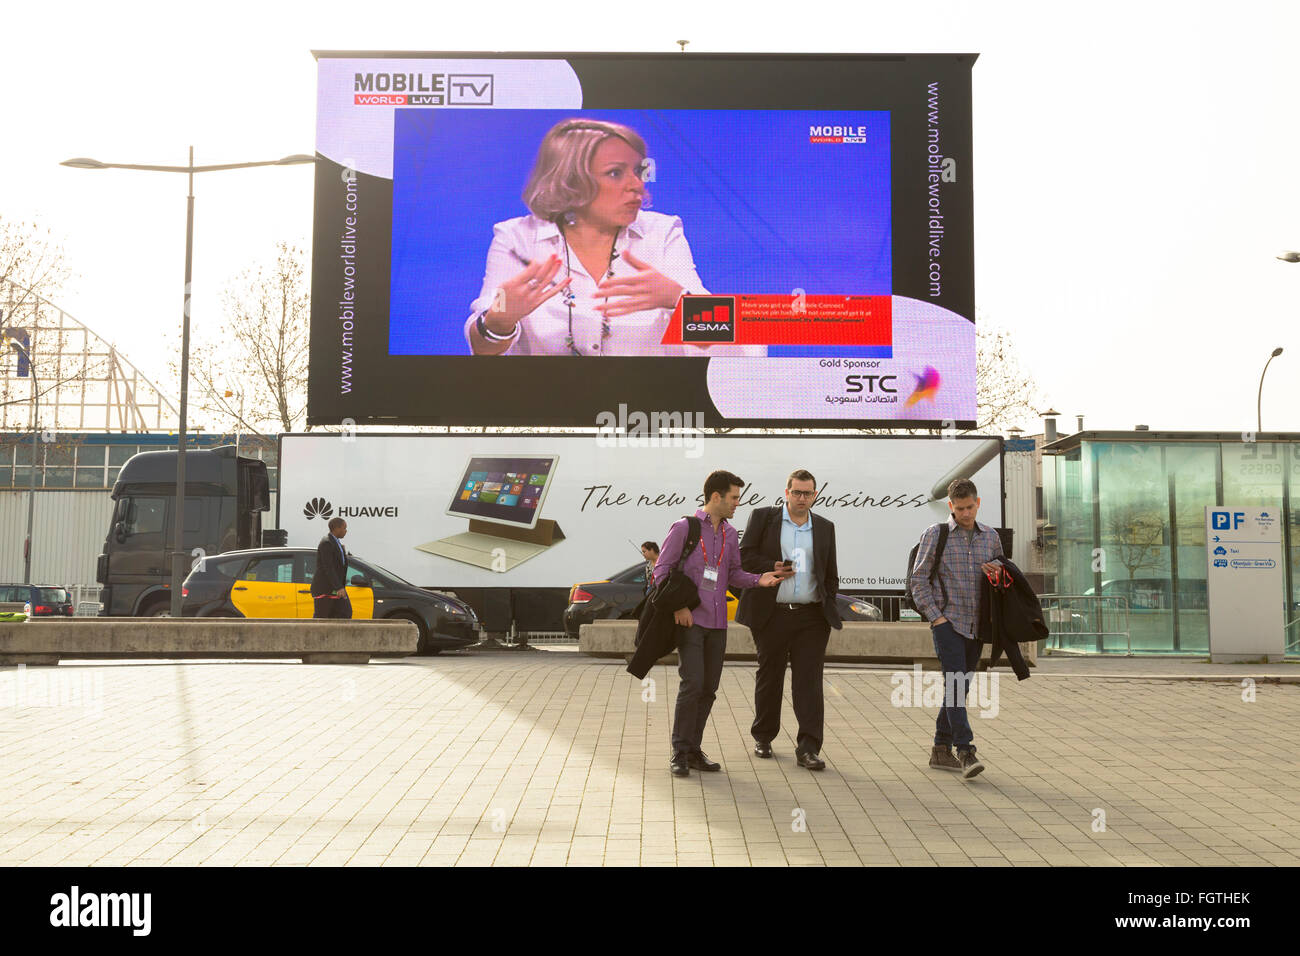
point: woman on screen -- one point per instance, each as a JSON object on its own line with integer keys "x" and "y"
{"x": 588, "y": 271}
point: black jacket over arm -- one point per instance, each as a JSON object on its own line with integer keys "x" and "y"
{"x": 331, "y": 571}
{"x": 760, "y": 549}
{"x": 1009, "y": 617}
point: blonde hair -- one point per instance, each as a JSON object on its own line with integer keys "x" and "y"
{"x": 561, "y": 180}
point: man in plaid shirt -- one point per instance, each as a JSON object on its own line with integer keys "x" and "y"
{"x": 951, "y": 605}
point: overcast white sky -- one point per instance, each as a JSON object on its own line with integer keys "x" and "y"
{"x": 1137, "y": 165}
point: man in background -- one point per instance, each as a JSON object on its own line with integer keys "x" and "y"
{"x": 649, "y": 551}
{"x": 329, "y": 590}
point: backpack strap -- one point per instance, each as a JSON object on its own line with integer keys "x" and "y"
{"x": 693, "y": 532}
{"x": 938, "y": 557}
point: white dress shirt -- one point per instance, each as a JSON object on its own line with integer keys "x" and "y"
{"x": 652, "y": 237}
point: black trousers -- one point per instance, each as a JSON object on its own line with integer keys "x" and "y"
{"x": 332, "y": 607}
{"x": 700, "y": 653}
{"x": 798, "y": 637}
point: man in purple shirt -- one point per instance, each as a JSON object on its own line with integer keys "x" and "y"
{"x": 714, "y": 566}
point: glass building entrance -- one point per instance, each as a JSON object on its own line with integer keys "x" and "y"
{"x": 1126, "y": 522}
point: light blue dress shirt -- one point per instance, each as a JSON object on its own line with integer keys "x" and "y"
{"x": 797, "y": 546}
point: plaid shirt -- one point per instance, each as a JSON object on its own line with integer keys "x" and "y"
{"x": 959, "y": 573}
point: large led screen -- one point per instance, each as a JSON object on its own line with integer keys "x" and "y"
{"x": 546, "y": 239}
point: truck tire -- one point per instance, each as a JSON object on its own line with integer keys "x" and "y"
{"x": 157, "y": 607}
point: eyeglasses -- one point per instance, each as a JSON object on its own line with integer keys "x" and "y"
{"x": 801, "y": 494}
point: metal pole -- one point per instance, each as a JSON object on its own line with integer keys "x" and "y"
{"x": 179, "y": 555}
{"x": 31, "y": 491}
{"x": 1259, "y": 401}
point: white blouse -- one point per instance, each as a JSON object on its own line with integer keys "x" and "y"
{"x": 652, "y": 237}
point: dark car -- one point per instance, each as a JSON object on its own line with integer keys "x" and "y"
{"x": 36, "y": 600}
{"x": 276, "y": 582}
{"x": 617, "y": 598}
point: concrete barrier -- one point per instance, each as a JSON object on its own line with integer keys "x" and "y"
{"x": 905, "y": 642}
{"x": 315, "y": 642}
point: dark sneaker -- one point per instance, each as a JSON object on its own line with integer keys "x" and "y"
{"x": 941, "y": 758}
{"x": 970, "y": 764}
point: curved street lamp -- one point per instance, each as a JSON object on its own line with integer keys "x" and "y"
{"x": 1259, "y": 402}
{"x": 82, "y": 162}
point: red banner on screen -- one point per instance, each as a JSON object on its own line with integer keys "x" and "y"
{"x": 781, "y": 320}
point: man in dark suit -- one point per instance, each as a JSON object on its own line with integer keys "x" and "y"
{"x": 329, "y": 585}
{"x": 792, "y": 622}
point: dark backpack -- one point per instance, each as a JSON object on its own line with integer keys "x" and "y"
{"x": 908, "y": 600}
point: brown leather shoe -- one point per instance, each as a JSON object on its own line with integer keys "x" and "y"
{"x": 941, "y": 758}
{"x": 970, "y": 764}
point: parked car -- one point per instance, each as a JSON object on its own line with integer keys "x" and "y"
{"x": 617, "y": 597}
{"x": 1154, "y": 594}
{"x": 36, "y": 600}
{"x": 276, "y": 582}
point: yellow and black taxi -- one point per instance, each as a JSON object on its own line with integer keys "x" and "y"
{"x": 617, "y": 598}
{"x": 276, "y": 582}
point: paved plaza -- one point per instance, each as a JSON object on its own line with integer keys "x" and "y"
{"x": 551, "y": 758}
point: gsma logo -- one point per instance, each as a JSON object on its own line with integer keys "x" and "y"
{"x": 708, "y": 318}
{"x": 1226, "y": 520}
{"x": 318, "y": 508}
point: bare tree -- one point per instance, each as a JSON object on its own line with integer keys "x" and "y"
{"x": 250, "y": 372}
{"x": 33, "y": 270}
{"x": 32, "y": 266}
{"x": 1005, "y": 394}
{"x": 1135, "y": 536}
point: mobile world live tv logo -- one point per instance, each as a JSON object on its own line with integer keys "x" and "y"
{"x": 837, "y": 134}
{"x": 423, "y": 89}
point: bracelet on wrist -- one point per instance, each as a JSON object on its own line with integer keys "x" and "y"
{"x": 481, "y": 324}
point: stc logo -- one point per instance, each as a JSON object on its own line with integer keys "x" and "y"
{"x": 318, "y": 508}
{"x": 873, "y": 383}
{"x": 1226, "y": 520}
{"x": 927, "y": 386}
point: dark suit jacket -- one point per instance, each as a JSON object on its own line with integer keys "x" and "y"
{"x": 331, "y": 571}
{"x": 1009, "y": 617}
{"x": 760, "y": 549}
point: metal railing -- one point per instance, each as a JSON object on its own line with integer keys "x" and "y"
{"x": 85, "y": 600}
{"x": 1293, "y": 646}
{"x": 1072, "y": 618}
{"x": 543, "y": 637}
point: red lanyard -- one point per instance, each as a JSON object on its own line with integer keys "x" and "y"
{"x": 722, "y": 549}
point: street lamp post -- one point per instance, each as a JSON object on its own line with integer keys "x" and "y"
{"x": 36, "y": 431}
{"x": 1259, "y": 401}
{"x": 178, "y": 552}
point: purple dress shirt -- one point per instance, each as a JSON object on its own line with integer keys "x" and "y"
{"x": 712, "y": 612}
